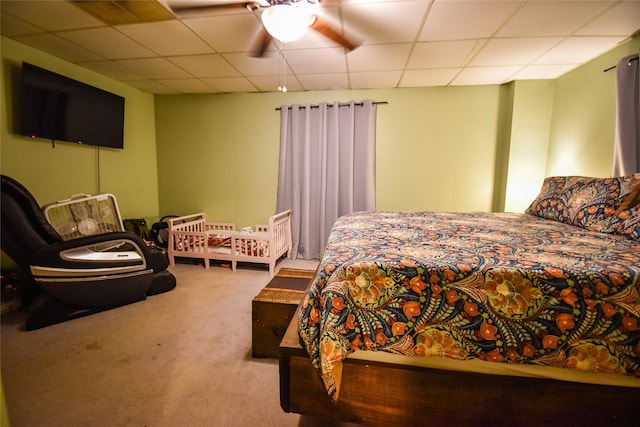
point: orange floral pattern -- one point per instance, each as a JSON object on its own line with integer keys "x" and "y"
{"x": 368, "y": 287}
{"x": 593, "y": 356}
{"x": 590, "y": 203}
{"x": 512, "y": 294}
{"x": 440, "y": 341}
{"x": 505, "y": 288}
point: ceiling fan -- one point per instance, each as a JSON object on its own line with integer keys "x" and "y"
{"x": 284, "y": 20}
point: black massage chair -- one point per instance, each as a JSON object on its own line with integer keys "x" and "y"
{"x": 67, "y": 279}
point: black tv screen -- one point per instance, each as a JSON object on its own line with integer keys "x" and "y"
{"x": 58, "y": 108}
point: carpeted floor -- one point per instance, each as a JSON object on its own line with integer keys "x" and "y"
{"x": 182, "y": 358}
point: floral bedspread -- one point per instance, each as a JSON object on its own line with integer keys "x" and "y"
{"x": 508, "y": 288}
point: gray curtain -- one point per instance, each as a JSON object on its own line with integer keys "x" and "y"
{"x": 327, "y": 168}
{"x": 626, "y": 154}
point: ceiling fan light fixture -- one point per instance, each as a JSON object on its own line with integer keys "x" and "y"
{"x": 288, "y": 21}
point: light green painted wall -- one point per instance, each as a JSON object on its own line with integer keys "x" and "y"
{"x": 529, "y": 141}
{"x": 456, "y": 148}
{"x": 57, "y": 173}
{"x": 583, "y": 120}
{"x": 505, "y": 118}
{"x": 436, "y": 150}
{"x": 215, "y": 155}
{"x": 472, "y": 148}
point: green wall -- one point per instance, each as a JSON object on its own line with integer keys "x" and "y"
{"x": 528, "y": 142}
{"x": 471, "y": 148}
{"x": 583, "y": 120}
{"x": 468, "y": 148}
{"x": 53, "y": 174}
{"x": 436, "y": 150}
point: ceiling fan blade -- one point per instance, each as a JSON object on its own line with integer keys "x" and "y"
{"x": 182, "y": 8}
{"x": 321, "y": 26}
{"x": 263, "y": 43}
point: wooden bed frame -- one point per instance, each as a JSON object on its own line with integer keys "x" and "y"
{"x": 383, "y": 394}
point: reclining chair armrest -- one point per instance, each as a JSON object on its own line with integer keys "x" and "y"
{"x": 115, "y": 249}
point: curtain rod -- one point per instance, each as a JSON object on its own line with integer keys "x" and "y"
{"x": 341, "y": 105}
{"x": 634, "y": 58}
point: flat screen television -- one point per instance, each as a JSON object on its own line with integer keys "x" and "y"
{"x": 58, "y": 108}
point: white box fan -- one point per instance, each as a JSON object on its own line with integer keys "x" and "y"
{"x": 84, "y": 215}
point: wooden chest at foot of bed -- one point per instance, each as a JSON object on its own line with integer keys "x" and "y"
{"x": 271, "y": 311}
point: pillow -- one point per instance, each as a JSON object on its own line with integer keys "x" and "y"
{"x": 590, "y": 203}
{"x": 628, "y": 222}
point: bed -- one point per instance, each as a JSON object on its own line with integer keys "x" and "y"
{"x": 466, "y": 318}
{"x": 192, "y": 236}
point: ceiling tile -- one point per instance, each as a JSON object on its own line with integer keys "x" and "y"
{"x": 520, "y": 51}
{"x": 457, "y": 20}
{"x": 51, "y": 15}
{"x": 238, "y": 7}
{"x": 485, "y": 75}
{"x": 155, "y": 68}
{"x": 324, "y": 81}
{"x": 576, "y": 50}
{"x": 12, "y": 26}
{"x": 442, "y": 54}
{"x": 117, "y": 12}
{"x": 272, "y": 83}
{"x": 310, "y": 39}
{"x": 314, "y": 61}
{"x": 60, "y": 47}
{"x": 551, "y": 18}
{"x": 331, "y": 15}
{"x": 107, "y": 42}
{"x": 426, "y": 42}
{"x": 114, "y": 70}
{"x": 272, "y": 63}
{"x": 228, "y": 33}
{"x": 152, "y": 86}
{"x": 167, "y": 38}
{"x": 375, "y": 79}
{"x": 430, "y": 77}
{"x": 620, "y": 20}
{"x": 367, "y": 57}
{"x": 205, "y": 65}
{"x": 384, "y": 22}
{"x": 231, "y": 84}
{"x": 536, "y": 72}
{"x": 187, "y": 85}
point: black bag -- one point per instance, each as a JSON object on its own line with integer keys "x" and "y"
{"x": 137, "y": 226}
{"x": 160, "y": 232}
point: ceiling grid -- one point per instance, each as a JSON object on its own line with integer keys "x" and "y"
{"x": 401, "y": 43}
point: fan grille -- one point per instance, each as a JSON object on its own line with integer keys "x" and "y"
{"x": 84, "y": 216}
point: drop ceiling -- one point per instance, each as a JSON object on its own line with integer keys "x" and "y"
{"x": 412, "y": 43}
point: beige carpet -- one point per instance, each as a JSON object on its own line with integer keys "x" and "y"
{"x": 182, "y": 358}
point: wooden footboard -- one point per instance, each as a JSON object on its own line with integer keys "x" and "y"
{"x": 267, "y": 244}
{"x": 189, "y": 237}
{"x": 383, "y": 394}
